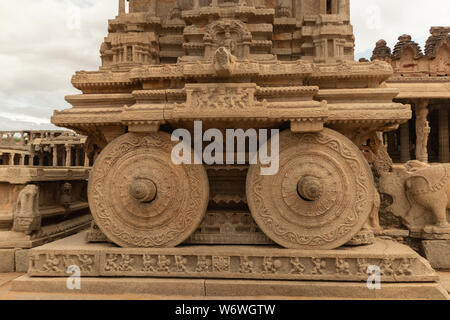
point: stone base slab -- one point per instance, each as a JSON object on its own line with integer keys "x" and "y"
{"x": 397, "y": 262}
{"x": 437, "y": 253}
{"x": 116, "y": 288}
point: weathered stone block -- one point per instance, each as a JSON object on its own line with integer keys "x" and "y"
{"x": 7, "y": 260}
{"x": 21, "y": 258}
{"x": 437, "y": 253}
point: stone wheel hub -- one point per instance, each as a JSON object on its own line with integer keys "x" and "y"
{"x": 321, "y": 196}
{"x": 309, "y": 188}
{"x": 143, "y": 190}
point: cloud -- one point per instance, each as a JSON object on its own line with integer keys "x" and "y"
{"x": 43, "y": 42}
{"x": 388, "y": 19}
{"x": 15, "y": 123}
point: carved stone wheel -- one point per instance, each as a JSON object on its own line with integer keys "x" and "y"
{"x": 140, "y": 198}
{"x": 321, "y": 196}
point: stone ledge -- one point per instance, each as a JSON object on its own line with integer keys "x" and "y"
{"x": 115, "y": 288}
{"x": 398, "y": 263}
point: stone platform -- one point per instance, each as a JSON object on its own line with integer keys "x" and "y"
{"x": 231, "y": 271}
{"x": 152, "y": 288}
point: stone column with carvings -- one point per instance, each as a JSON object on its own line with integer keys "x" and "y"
{"x": 22, "y": 159}
{"x": 404, "y": 143}
{"x": 68, "y": 157}
{"x": 444, "y": 155}
{"x": 422, "y": 131}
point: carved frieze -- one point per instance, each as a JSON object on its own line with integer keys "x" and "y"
{"x": 229, "y": 263}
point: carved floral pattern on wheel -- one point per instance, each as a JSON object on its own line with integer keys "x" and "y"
{"x": 320, "y": 197}
{"x": 140, "y": 198}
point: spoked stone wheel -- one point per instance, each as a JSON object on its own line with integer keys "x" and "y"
{"x": 140, "y": 198}
{"x": 321, "y": 196}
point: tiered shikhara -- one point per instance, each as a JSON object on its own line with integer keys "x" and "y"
{"x": 242, "y": 64}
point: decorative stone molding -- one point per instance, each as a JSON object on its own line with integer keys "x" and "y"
{"x": 397, "y": 262}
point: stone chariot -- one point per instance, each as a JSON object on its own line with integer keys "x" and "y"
{"x": 232, "y": 65}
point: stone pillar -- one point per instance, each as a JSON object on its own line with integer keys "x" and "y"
{"x": 422, "y": 131}
{"x": 68, "y": 157}
{"x": 404, "y": 143}
{"x": 121, "y": 7}
{"x": 153, "y": 8}
{"x": 444, "y": 155}
{"x": 11, "y": 159}
{"x": 321, "y": 53}
{"x": 77, "y": 157}
{"x": 247, "y": 42}
{"x": 341, "y": 7}
{"x": 323, "y": 6}
{"x": 334, "y": 7}
{"x": 22, "y": 159}
{"x": 86, "y": 160}
{"x": 208, "y": 47}
{"x": 55, "y": 156}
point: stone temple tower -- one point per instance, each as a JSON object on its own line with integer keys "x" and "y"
{"x": 164, "y": 31}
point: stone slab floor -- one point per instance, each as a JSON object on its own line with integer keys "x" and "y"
{"x": 7, "y": 278}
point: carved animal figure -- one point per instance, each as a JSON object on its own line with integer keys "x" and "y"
{"x": 420, "y": 194}
{"x": 26, "y": 211}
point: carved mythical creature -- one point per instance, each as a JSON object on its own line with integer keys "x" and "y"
{"x": 26, "y": 211}
{"x": 421, "y": 195}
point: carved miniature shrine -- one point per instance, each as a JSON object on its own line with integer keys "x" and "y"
{"x": 247, "y": 64}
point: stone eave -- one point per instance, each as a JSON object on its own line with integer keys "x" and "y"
{"x": 417, "y": 89}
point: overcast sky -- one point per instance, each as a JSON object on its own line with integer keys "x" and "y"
{"x": 43, "y": 42}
